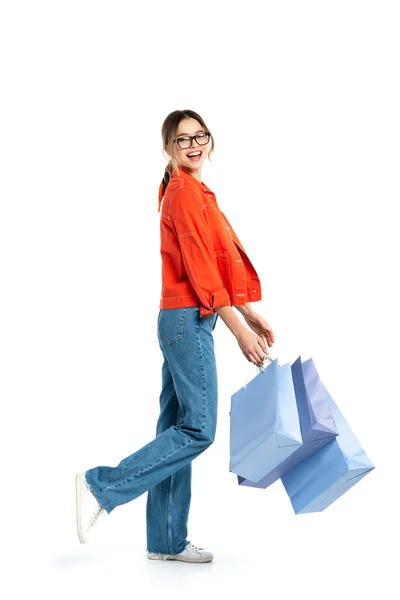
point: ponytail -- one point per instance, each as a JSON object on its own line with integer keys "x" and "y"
{"x": 164, "y": 183}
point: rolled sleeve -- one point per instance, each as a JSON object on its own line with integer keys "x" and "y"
{"x": 193, "y": 233}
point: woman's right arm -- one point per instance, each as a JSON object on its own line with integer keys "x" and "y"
{"x": 252, "y": 345}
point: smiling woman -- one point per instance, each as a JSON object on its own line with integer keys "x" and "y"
{"x": 184, "y": 133}
{"x": 205, "y": 273}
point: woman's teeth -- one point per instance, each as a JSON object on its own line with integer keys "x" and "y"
{"x": 194, "y": 155}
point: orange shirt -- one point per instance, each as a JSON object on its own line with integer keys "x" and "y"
{"x": 203, "y": 262}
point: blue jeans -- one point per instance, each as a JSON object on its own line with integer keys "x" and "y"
{"x": 186, "y": 427}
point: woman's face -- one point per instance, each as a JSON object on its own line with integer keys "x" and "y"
{"x": 189, "y": 157}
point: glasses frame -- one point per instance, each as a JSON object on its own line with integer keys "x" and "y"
{"x": 193, "y": 137}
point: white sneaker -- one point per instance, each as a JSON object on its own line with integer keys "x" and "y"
{"x": 190, "y": 554}
{"x": 88, "y": 509}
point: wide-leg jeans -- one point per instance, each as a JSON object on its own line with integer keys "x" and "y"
{"x": 186, "y": 427}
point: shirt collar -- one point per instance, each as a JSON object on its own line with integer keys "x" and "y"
{"x": 178, "y": 172}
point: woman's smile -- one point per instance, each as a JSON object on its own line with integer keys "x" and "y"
{"x": 195, "y": 155}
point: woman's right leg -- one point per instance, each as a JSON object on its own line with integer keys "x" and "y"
{"x": 189, "y": 341}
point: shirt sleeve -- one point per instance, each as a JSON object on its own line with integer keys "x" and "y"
{"x": 194, "y": 235}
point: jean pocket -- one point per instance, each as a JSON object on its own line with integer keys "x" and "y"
{"x": 170, "y": 326}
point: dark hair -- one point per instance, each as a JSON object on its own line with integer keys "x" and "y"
{"x": 168, "y": 132}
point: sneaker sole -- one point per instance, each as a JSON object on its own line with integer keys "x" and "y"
{"x": 79, "y": 501}
{"x": 177, "y": 557}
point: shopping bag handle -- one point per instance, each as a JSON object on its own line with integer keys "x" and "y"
{"x": 259, "y": 367}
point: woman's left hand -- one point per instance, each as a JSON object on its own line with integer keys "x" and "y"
{"x": 260, "y": 326}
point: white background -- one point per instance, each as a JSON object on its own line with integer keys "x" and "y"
{"x": 303, "y": 100}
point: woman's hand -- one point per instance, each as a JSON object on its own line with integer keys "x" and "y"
{"x": 260, "y": 326}
{"x": 253, "y": 346}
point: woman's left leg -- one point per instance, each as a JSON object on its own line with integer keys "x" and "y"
{"x": 162, "y": 499}
{"x": 188, "y": 372}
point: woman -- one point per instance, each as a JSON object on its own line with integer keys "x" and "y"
{"x": 205, "y": 272}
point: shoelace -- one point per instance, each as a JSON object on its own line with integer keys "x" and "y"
{"x": 191, "y": 546}
{"x": 98, "y": 510}
{"x": 95, "y": 516}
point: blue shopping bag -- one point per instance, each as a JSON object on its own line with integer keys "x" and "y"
{"x": 326, "y": 475}
{"x": 264, "y": 423}
{"x": 316, "y": 421}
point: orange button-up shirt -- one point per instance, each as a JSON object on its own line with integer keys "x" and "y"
{"x": 203, "y": 262}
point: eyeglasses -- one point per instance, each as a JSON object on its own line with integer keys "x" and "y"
{"x": 186, "y": 141}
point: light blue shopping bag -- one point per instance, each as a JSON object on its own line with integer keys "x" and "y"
{"x": 326, "y": 475}
{"x": 264, "y": 423}
{"x": 316, "y": 421}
